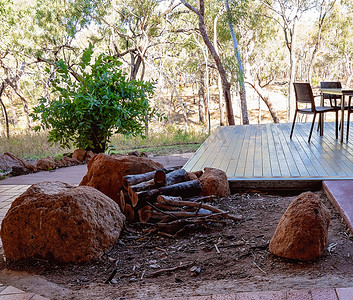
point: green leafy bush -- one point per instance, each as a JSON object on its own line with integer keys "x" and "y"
{"x": 92, "y": 102}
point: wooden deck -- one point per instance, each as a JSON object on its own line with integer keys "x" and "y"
{"x": 264, "y": 157}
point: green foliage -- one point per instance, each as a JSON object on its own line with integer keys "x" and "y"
{"x": 93, "y": 102}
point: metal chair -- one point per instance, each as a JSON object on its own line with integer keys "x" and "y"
{"x": 349, "y": 110}
{"x": 332, "y": 98}
{"x": 304, "y": 95}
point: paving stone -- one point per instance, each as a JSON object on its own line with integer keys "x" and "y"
{"x": 345, "y": 293}
{"x": 279, "y": 295}
{"x": 9, "y": 290}
{"x": 340, "y": 194}
{"x": 324, "y": 294}
{"x": 23, "y": 296}
{"x": 299, "y": 295}
{"x": 224, "y": 297}
{"x": 38, "y": 297}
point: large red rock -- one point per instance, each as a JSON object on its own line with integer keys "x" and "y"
{"x": 214, "y": 182}
{"x": 105, "y": 172}
{"x": 302, "y": 231}
{"x": 68, "y": 162}
{"x": 46, "y": 164}
{"x": 79, "y": 154}
{"x": 15, "y": 165}
{"x": 54, "y": 220}
{"x": 89, "y": 155}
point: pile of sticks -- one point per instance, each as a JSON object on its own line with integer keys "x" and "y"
{"x": 167, "y": 200}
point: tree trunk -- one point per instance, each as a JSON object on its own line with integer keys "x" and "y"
{"x": 207, "y": 98}
{"x": 201, "y": 101}
{"x": 135, "y": 65}
{"x": 215, "y": 42}
{"x": 12, "y": 108}
{"x": 266, "y": 98}
{"x": 243, "y": 104}
{"x": 97, "y": 139}
{"x": 291, "y": 101}
{"x": 2, "y": 89}
{"x": 221, "y": 70}
{"x": 323, "y": 15}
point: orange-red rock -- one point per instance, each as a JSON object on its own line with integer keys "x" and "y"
{"x": 89, "y": 155}
{"x": 69, "y": 162}
{"x": 105, "y": 172}
{"x": 54, "y": 220}
{"x": 79, "y": 154}
{"x": 15, "y": 165}
{"x": 214, "y": 182}
{"x": 302, "y": 231}
{"x": 46, "y": 164}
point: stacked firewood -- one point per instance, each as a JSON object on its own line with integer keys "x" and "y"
{"x": 168, "y": 200}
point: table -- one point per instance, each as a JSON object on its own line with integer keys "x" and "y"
{"x": 343, "y": 93}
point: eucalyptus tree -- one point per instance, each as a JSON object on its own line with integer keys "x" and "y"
{"x": 261, "y": 50}
{"x": 225, "y": 83}
{"x": 337, "y": 44}
{"x": 131, "y": 29}
{"x": 240, "y": 65}
{"x": 287, "y": 13}
{"x": 34, "y": 32}
{"x": 13, "y": 56}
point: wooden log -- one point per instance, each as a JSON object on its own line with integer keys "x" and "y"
{"x": 131, "y": 180}
{"x": 180, "y": 214}
{"x": 168, "y": 198}
{"x": 137, "y": 178}
{"x": 201, "y": 198}
{"x": 160, "y": 176}
{"x": 123, "y": 195}
{"x": 165, "y": 200}
{"x": 142, "y": 186}
{"x": 176, "y": 177}
{"x": 182, "y": 189}
{"x": 166, "y": 206}
{"x": 170, "y": 178}
{"x": 129, "y": 212}
{"x": 144, "y": 213}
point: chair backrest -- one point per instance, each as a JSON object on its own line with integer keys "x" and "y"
{"x": 331, "y": 85}
{"x": 304, "y": 94}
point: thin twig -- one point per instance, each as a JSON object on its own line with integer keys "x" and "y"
{"x": 182, "y": 267}
{"x": 259, "y": 267}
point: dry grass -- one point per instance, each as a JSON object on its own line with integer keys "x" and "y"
{"x": 169, "y": 139}
{"x": 30, "y": 145}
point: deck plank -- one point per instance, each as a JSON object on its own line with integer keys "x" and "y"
{"x": 266, "y": 152}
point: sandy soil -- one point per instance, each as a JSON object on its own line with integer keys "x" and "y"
{"x": 220, "y": 259}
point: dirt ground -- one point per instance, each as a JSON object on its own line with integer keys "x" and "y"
{"x": 219, "y": 259}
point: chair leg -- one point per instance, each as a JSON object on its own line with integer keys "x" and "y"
{"x": 319, "y": 124}
{"x": 312, "y": 126}
{"x": 321, "y": 117}
{"x": 336, "y": 124}
{"x": 348, "y": 118}
{"x": 291, "y": 132}
{"x": 321, "y": 121}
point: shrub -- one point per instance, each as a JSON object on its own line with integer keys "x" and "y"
{"x": 94, "y": 101}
